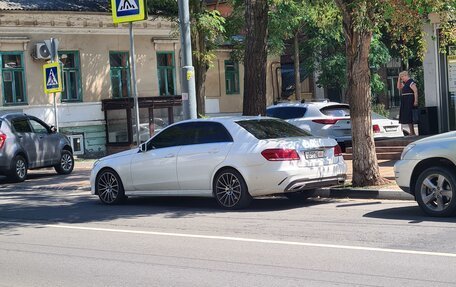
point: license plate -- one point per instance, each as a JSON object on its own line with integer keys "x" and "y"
{"x": 390, "y": 129}
{"x": 313, "y": 154}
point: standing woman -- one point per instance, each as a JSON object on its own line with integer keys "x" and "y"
{"x": 409, "y": 100}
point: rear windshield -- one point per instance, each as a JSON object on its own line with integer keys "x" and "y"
{"x": 376, "y": 116}
{"x": 272, "y": 129}
{"x": 286, "y": 113}
{"x": 336, "y": 111}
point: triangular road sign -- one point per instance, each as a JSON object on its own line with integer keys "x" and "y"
{"x": 52, "y": 80}
{"x": 127, "y": 5}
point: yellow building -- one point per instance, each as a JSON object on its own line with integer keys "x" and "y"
{"x": 96, "y": 67}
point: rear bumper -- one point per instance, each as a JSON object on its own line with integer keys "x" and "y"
{"x": 305, "y": 184}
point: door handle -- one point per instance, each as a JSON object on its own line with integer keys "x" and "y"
{"x": 169, "y": 155}
{"x": 214, "y": 150}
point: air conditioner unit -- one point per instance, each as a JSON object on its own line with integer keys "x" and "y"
{"x": 42, "y": 52}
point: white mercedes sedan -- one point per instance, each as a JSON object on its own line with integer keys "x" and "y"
{"x": 231, "y": 159}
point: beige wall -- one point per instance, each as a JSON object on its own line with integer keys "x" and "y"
{"x": 216, "y": 87}
{"x": 94, "y": 40}
{"x": 94, "y": 35}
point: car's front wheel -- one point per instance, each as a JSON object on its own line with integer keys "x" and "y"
{"x": 435, "y": 191}
{"x": 109, "y": 187}
{"x": 66, "y": 163}
{"x": 18, "y": 171}
{"x": 230, "y": 190}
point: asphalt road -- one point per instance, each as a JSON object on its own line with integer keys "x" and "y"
{"x": 67, "y": 238}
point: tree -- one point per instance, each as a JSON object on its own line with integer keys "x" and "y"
{"x": 255, "y": 57}
{"x": 360, "y": 19}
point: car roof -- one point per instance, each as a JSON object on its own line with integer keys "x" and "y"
{"x": 228, "y": 119}
{"x": 319, "y": 105}
{"x": 10, "y": 116}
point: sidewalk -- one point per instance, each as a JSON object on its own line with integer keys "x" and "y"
{"x": 47, "y": 179}
{"x": 390, "y": 191}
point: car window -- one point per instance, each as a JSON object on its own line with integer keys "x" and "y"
{"x": 207, "y": 132}
{"x": 21, "y": 126}
{"x": 286, "y": 113}
{"x": 376, "y": 116}
{"x": 272, "y": 129}
{"x": 336, "y": 111}
{"x": 180, "y": 134}
{"x": 38, "y": 127}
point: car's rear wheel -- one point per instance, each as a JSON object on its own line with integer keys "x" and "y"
{"x": 109, "y": 187}
{"x": 66, "y": 163}
{"x": 435, "y": 191}
{"x": 18, "y": 171}
{"x": 230, "y": 190}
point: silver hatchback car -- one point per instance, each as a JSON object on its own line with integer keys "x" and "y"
{"x": 26, "y": 142}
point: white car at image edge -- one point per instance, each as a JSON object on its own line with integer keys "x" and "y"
{"x": 427, "y": 170}
{"x": 231, "y": 159}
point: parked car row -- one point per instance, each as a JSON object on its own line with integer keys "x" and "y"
{"x": 233, "y": 159}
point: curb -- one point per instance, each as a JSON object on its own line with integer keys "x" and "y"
{"x": 388, "y": 194}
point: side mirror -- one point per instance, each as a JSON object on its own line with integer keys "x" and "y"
{"x": 143, "y": 147}
{"x": 53, "y": 129}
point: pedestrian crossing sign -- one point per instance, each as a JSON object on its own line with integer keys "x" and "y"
{"x": 128, "y": 10}
{"x": 52, "y": 78}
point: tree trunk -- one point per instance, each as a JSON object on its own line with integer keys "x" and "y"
{"x": 255, "y": 59}
{"x": 198, "y": 44}
{"x": 365, "y": 164}
{"x": 296, "y": 67}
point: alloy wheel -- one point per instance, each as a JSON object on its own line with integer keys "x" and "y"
{"x": 66, "y": 162}
{"x": 436, "y": 192}
{"x": 108, "y": 187}
{"x": 21, "y": 168}
{"x": 228, "y": 189}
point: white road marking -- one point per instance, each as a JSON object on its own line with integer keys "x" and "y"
{"x": 265, "y": 241}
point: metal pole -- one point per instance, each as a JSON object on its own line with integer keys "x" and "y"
{"x": 188, "y": 71}
{"x": 54, "y": 58}
{"x": 135, "y": 87}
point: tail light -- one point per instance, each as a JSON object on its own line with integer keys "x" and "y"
{"x": 337, "y": 150}
{"x": 2, "y": 139}
{"x": 326, "y": 121}
{"x": 376, "y": 128}
{"x": 278, "y": 154}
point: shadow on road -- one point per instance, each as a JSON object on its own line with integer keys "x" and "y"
{"x": 411, "y": 213}
{"x": 24, "y": 207}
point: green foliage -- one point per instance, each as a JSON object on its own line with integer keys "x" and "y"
{"x": 164, "y": 8}
{"x": 380, "y": 109}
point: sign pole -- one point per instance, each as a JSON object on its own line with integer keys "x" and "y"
{"x": 188, "y": 71}
{"x": 53, "y": 59}
{"x": 135, "y": 87}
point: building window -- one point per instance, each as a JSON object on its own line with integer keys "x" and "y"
{"x": 120, "y": 74}
{"x": 166, "y": 73}
{"x": 77, "y": 143}
{"x": 13, "y": 79}
{"x": 232, "y": 77}
{"x": 71, "y": 77}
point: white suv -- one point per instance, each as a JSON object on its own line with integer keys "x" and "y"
{"x": 330, "y": 119}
